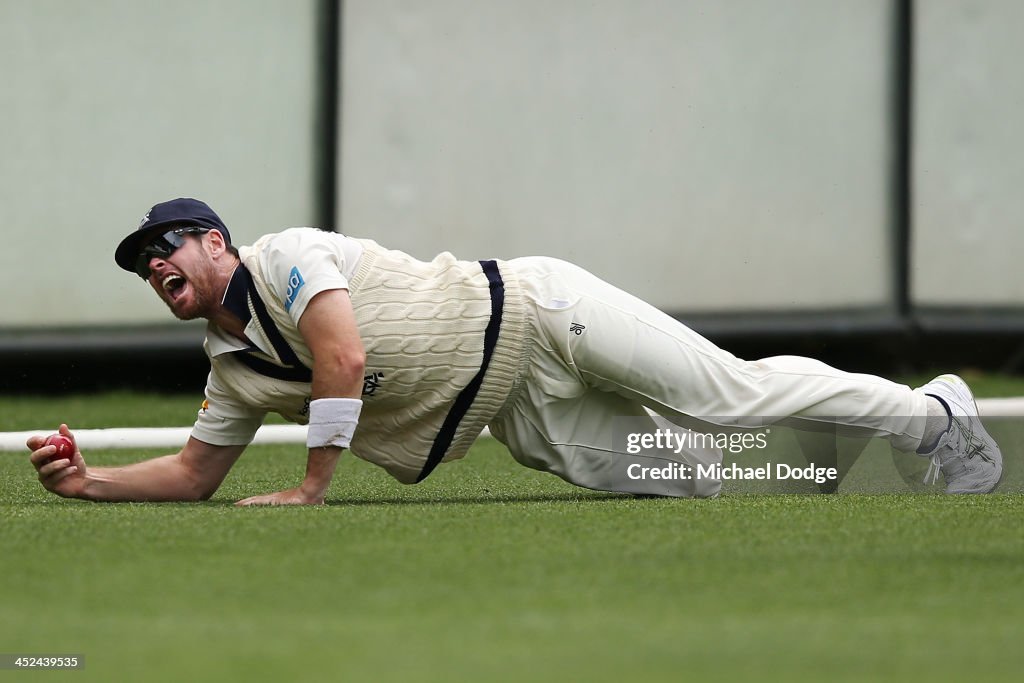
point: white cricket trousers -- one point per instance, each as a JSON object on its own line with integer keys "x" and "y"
{"x": 599, "y": 353}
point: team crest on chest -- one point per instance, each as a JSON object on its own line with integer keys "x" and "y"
{"x": 371, "y": 383}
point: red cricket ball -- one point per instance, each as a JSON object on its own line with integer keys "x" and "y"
{"x": 65, "y": 449}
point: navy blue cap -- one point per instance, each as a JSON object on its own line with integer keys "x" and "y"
{"x": 163, "y": 217}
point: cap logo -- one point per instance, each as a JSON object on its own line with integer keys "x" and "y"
{"x": 145, "y": 219}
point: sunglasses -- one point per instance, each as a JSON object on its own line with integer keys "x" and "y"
{"x": 162, "y": 247}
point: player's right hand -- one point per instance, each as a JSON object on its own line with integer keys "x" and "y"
{"x": 64, "y": 477}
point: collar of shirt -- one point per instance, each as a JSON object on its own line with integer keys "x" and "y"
{"x": 236, "y": 300}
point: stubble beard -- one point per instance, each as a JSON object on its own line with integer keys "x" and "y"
{"x": 195, "y": 309}
{"x": 201, "y": 286}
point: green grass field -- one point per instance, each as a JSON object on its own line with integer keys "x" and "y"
{"x": 491, "y": 572}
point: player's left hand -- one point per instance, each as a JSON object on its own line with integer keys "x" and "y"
{"x": 295, "y": 496}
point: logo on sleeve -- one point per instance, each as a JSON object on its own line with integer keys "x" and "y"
{"x": 295, "y": 283}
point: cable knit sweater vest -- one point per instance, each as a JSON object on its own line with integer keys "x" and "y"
{"x": 422, "y": 326}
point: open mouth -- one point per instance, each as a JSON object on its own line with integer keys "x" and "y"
{"x": 174, "y": 285}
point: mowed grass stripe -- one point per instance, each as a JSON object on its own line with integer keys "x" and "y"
{"x": 489, "y": 571}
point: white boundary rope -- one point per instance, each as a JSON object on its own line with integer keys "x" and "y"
{"x": 175, "y": 437}
{"x": 148, "y": 437}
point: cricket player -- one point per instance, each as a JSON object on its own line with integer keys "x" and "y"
{"x": 404, "y": 362}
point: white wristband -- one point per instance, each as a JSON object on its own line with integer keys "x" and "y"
{"x": 332, "y": 421}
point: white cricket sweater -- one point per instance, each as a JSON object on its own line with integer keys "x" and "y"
{"x": 422, "y": 325}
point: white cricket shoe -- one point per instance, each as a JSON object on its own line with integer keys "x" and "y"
{"x": 968, "y": 457}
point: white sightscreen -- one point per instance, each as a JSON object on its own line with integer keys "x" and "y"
{"x": 706, "y": 155}
{"x": 110, "y": 106}
{"x": 968, "y": 146}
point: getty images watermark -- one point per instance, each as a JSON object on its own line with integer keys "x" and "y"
{"x": 674, "y": 453}
{"x": 759, "y": 454}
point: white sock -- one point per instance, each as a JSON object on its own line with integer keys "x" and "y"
{"x": 936, "y": 425}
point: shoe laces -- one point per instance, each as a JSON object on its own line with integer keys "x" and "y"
{"x": 958, "y": 433}
{"x": 932, "y": 474}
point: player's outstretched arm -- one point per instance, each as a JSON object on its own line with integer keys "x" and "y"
{"x": 329, "y": 328}
{"x": 192, "y": 474}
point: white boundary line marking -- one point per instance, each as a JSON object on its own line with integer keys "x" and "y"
{"x": 175, "y": 437}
